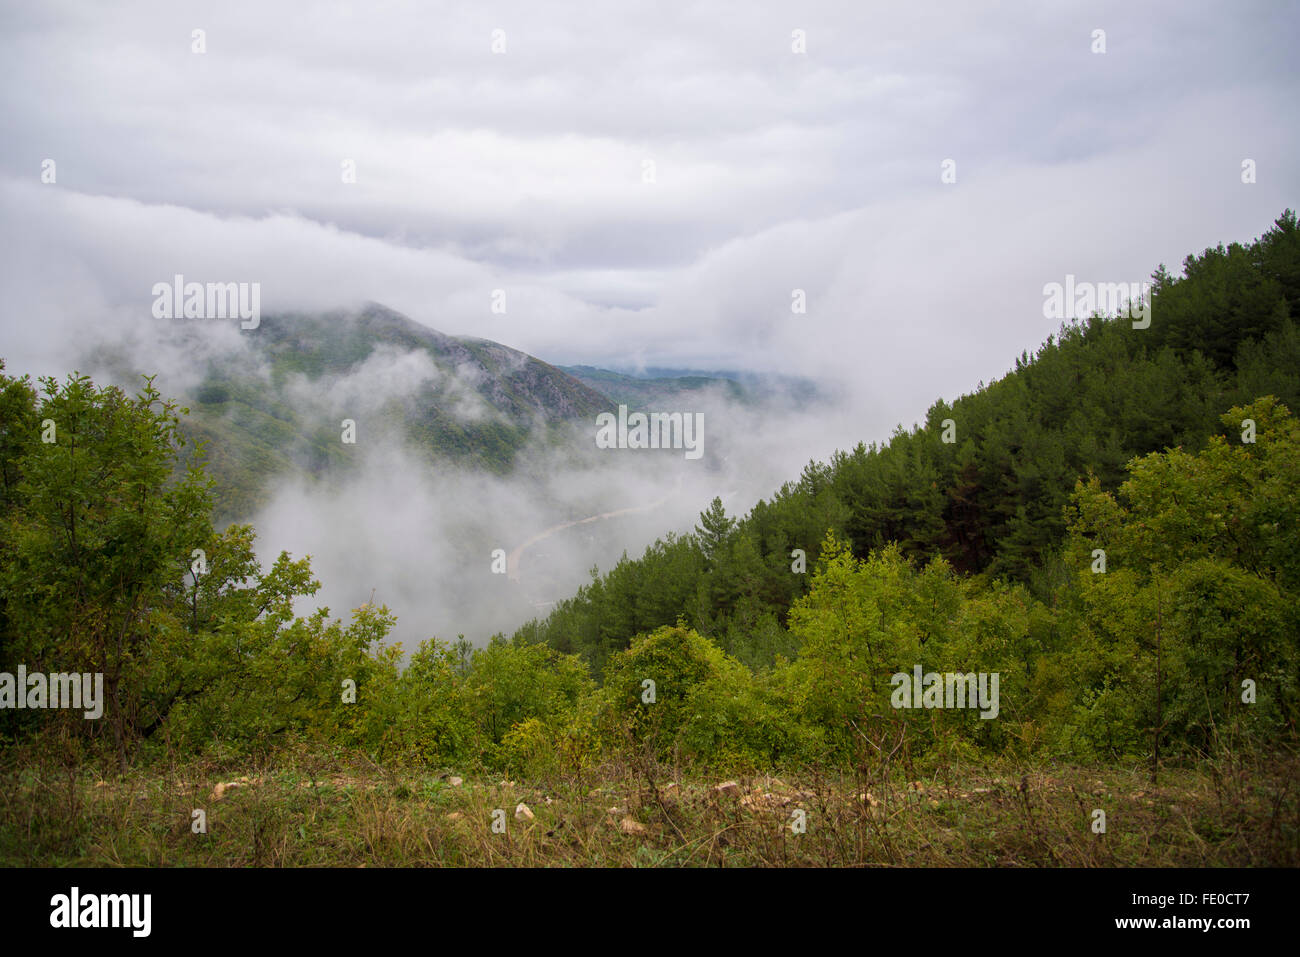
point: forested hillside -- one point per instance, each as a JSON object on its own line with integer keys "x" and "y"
{"x": 993, "y": 502}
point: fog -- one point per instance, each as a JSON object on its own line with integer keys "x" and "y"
{"x": 422, "y": 540}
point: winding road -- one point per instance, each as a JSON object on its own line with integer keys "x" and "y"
{"x": 512, "y": 560}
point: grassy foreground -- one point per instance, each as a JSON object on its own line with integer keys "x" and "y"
{"x": 298, "y": 810}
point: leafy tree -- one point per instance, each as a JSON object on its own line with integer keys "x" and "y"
{"x": 110, "y": 565}
{"x": 98, "y": 525}
{"x": 1200, "y": 589}
{"x": 512, "y": 682}
{"x": 685, "y": 669}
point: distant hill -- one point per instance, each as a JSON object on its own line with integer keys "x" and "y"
{"x": 470, "y": 400}
{"x": 270, "y": 404}
{"x": 659, "y": 386}
{"x": 643, "y": 392}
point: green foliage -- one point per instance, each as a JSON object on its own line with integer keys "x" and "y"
{"x": 101, "y": 572}
{"x": 512, "y": 684}
{"x": 426, "y": 716}
{"x": 704, "y": 701}
{"x": 96, "y": 527}
{"x": 865, "y": 621}
{"x": 994, "y": 502}
{"x": 1200, "y": 591}
{"x": 714, "y": 529}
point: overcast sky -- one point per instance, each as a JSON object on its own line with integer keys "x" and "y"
{"x": 525, "y": 170}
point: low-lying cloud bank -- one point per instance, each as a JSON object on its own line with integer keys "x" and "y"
{"x": 441, "y": 546}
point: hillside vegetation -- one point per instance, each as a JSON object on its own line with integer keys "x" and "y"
{"x": 995, "y": 501}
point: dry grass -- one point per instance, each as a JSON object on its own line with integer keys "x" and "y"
{"x": 297, "y": 810}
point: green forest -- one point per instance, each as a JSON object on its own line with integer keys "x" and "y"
{"x": 1113, "y": 532}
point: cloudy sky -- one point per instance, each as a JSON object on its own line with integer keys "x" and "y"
{"x": 508, "y": 146}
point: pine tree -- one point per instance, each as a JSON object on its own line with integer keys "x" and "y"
{"x": 714, "y": 529}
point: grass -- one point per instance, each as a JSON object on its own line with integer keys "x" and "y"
{"x": 300, "y": 810}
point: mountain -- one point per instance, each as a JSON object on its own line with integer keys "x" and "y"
{"x": 277, "y": 410}
{"x": 648, "y": 392}
{"x": 270, "y": 403}
{"x": 661, "y": 387}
